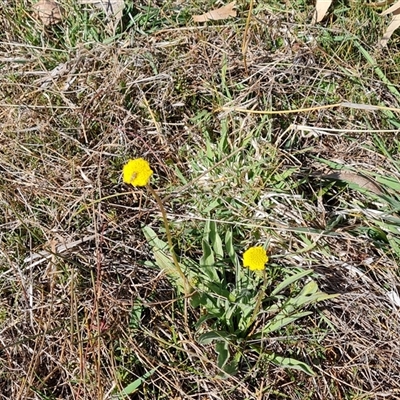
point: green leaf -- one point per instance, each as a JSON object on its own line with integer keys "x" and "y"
{"x": 219, "y": 290}
{"x": 228, "y": 367}
{"x": 136, "y": 314}
{"x": 301, "y": 301}
{"x": 230, "y": 249}
{"x": 203, "y": 319}
{"x": 134, "y": 385}
{"x": 389, "y": 182}
{"x": 179, "y": 174}
{"x": 286, "y": 362}
{"x": 222, "y": 349}
{"x": 164, "y": 261}
{"x": 310, "y": 287}
{"x": 213, "y": 204}
{"x": 214, "y": 336}
{"x": 210, "y": 152}
{"x": 280, "y": 321}
{"x": 231, "y": 368}
{"x": 229, "y": 243}
{"x": 216, "y": 241}
{"x": 291, "y": 279}
{"x": 395, "y": 244}
{"x": 207, "y": 262}
{"x": 207, "y": 259}
{"x": 210, "y": 303}
{"x": 309, "y": 295}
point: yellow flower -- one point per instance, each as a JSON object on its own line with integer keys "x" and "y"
{"x": 255, "y": 258}
{"x": 137, "y": 172}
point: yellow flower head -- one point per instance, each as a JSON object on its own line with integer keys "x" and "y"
{"x": 255, "y": 258}
{"x": 137, "y": 172}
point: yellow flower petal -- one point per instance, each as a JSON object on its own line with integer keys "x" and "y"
{"x": 255, "y": 258}
{"x": 137, "y": 172}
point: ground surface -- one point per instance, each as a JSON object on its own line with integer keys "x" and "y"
{"x": 85, "y": 307}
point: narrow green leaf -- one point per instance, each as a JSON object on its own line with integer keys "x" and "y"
{"x": 179, "y": 174}
{"x": 218, "y": 336}
{"x": 234, "y": 259}
{"x": 163, "y": 258}
{"x": 395, "y": 244}
{"x": 291, "y": 279}
{"x": 229, "y": 247}
{"x": 207, "y": 262}
{"x": 134, "y": 385}
{"x": 136, "y": 314}
{"x": 302, "y": 301}
{"x": 280, "y": 321}
{"x": 216, "y": 241}
{"x": 286, "y": 362}
{"x": 389, "y": 182}
{"x": 207, "y": 259}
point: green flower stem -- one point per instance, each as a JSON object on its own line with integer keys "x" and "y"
{"x": 260, "y": 298}
{"x": 186, "y": 285}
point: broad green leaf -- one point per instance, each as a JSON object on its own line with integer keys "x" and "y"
{"x": 222, "y": 349}
{"x": 310, "y": 287}
{"x": 219, "y": 290}
{"x": 231, "y": 310}
{"x": 231, "y": 368}
{"x": 246, "y": 317}
{"x": 213, "y": 204}
{"x": 222, "y": 145}
{"x": 207, "y": 230}
{"x": 203, "y": 319}
{"x": 210, "y": 303}
{"x": 210, "y": 152}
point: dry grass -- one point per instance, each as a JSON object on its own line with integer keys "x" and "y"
{"x": 72, "y": 254}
